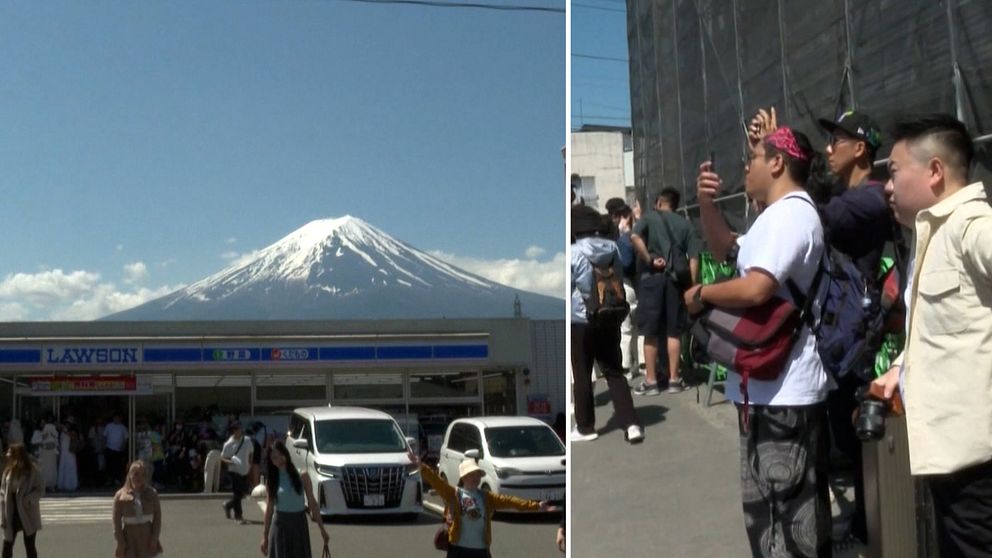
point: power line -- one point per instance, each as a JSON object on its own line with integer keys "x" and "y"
{"x": 591, "y": 7}
{"x": 468, "y": 5}
{"x": 593, "y": 57}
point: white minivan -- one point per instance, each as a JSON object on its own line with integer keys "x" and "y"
{"x": 522, "y": 456}
{"x": 357, "y": 460}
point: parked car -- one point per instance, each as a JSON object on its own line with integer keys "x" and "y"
{"x": 357, "y": 459}
{"x": 522, "y": 456}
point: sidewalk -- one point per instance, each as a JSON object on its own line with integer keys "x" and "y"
{"x": 677, "y": 494}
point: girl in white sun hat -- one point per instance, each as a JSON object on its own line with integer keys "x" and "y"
{"x": 471, "y": 509}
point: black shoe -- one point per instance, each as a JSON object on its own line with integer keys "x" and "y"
{"x": 227, "y": 511}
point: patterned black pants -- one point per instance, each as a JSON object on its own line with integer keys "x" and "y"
{"x": 784, "y": 466}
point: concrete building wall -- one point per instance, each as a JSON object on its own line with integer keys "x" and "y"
{"x": 598, "y": 158}
{"x": 547, "y": 368}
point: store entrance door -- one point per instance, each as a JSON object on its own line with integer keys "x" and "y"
{"x": 89, "y": 414}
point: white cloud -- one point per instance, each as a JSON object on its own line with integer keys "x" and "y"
{"x": 135, "y": 272}
{"x": 534, "y": 252}
{"x": 167, "y": 262}
{"x": 232, "y": 240}
{"x": 78, "y": 295}
{"x": 107, "y": 299}
{"x": 230, "y": 255}
{"x": 120, "y": 247}
{"x": 12, "y": 312}
{"x": 543, "y": 277}
{"x": 46, "y": 286}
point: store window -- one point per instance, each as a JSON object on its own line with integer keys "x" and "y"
{"x": 365, "y": 385}
{"x": 290, "y": 387}
{"x": 424, "y": 385}
{"x": 500, "y": 392}
{"x": 212, "y": 395}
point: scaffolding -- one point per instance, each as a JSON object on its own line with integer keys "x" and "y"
{"x": 699, "y": 69}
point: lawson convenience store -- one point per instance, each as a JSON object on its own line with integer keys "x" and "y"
{"x": 430, "y": 370}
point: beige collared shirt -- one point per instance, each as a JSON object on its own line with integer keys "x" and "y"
{"x": 947, "y": 382}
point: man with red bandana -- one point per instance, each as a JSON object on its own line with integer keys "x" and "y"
{"x": 783, "y": 427}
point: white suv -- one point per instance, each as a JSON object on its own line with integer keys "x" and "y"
{"x": 521, "y": 456}
{"x": 357, "y": 460}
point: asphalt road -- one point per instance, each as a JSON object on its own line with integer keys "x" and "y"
{"x": 675, "y": 495}
{"x": 194, "y": 526}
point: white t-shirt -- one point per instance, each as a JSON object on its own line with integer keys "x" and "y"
{"x": 116, "y": 435}
{"x": 786, "y": 241}
{"x": 239, "y": 452}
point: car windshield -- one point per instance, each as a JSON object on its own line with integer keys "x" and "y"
{"x": 523, "y": 441}
{"x": 359, "y": 436}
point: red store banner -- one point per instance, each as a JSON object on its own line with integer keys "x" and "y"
{"x": 81, "y": 385}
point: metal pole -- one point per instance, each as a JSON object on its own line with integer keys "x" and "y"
{"x": 956, "y": 79}
{"x": 678, "y": 94}
{"x": 702, "y": 66}
{"x": 740, "y": 100}
{"x": 882, "y": 163}
{"x": 657, "y": 97}
{"x": 172, "y": 399}
{"x": 720, "y": 199}
{"x": 785, "y": 69}
{"x": 849, "y": 59}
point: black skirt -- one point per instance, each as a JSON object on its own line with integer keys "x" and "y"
{"x": 289, "y": 536}
{"x": 463, "y": 552}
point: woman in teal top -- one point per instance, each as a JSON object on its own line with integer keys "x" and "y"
{"x": 286, "y": 534}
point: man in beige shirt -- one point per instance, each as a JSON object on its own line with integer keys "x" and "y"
{"x": 945, "y": 372}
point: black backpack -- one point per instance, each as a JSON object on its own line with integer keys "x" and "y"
{"x": 606, "y": 305}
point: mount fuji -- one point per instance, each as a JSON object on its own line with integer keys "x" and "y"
{"x": 342, "y": 269}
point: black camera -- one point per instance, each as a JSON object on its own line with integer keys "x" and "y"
{"x": 870, "y": 424}
{"x": 873, "y": 407}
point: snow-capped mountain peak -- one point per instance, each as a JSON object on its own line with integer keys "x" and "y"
{"x": 338, "y": 263}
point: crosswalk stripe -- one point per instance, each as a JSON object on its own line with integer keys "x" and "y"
{"x": 76, "y": 510}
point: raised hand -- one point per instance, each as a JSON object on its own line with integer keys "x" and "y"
{"x": 762, "y": 124}
{"x": 708, "y": 183}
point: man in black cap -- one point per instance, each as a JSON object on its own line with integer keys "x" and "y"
{"x": 858, "y": 220}
{"x": 857, "y": 223}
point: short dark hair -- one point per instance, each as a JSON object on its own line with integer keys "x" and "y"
{"x": 614, "y": 206}
{"x": 797, "y": 168}
{"x": 944, "y": 129}
{"x": 670, "y": 196}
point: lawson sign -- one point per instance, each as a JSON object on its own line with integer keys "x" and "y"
{"x": 90, "y": 355}
{"x": 80, "y": 356}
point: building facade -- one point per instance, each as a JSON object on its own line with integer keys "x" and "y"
{"x": 603, "y": 160}
{"x": 425, "y": 371}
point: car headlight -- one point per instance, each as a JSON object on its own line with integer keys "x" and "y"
{"x": 329, "y": 471}
{"x": 412, "y": 469}
{"x": 504, "y": 472}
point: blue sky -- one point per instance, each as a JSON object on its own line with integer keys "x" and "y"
{"x": 600, "y": 88}
{"x": 144, "y": 145}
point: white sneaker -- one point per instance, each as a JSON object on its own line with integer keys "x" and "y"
{"x": 635, "y": 434}
{"x": 577, "y": 436}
